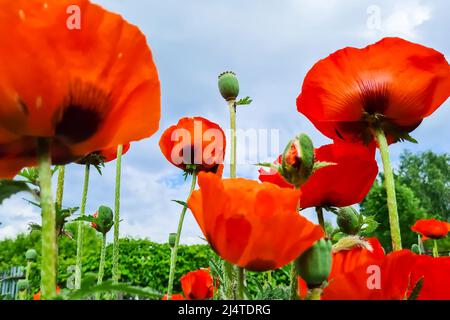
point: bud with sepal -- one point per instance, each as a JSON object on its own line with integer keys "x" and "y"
{"x": 314, "y": 265}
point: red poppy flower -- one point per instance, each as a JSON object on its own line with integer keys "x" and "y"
{"x": 345, "y": 183}
{"x": 435, "y": 274}
{"x": 386, "y": 279}
{"x": 194, "y": 141}
{"x": 69, "y": 85}
{"x": 174, "y": 297}
{"x": 198, "y": 285}
{"x": 255, "y": 226}
{"x": 393, "y": 84}
{"x": 347, "y": 260}
{"x": 431, "y": 228}
{"x": 93, "y": 224}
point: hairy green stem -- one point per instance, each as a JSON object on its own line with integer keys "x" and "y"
{"x": 435, "y": 249}
{"x": 101, "y": 268}
{"x": 293, "y": 295}
{"x": 60, "y": 186}
{"x": 390, "y": 190}
{"x": 240, "y": 284}
{"x": 173, "y": 258}
{"x": 80, "y": 232}
{"x": 229, "y": 281}
{"x": 420, "y": 243}
{"x": 228, "y": 275}
{"x": 48, "y": 235}
{"x": 232, "y": 107}
{"x": 115, "y": 269}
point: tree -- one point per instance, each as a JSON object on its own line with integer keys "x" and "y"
{"x": 428, "y": 174}
{"x": 409, "y": 210}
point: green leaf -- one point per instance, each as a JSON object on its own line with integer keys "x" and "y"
{"x": 183, "y": 203}
{"x": 85, "y": 219}
{"x": 244, "y": 101}
{"x": 369, "y": 225}
{"x": 416, "y": 290}
{"x": 9, "y": 188}
{"x": 322, "y": 164}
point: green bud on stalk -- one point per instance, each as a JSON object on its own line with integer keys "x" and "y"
{"x": 348, "y": 220}
{"x": 314, "y": 265}
{"x": 104, "y": 220}
{"x": 229, "y": 85}
{"x": 31, "y": 255}
{"x": 172, "y": 239}
{"x": 298, "y": 160}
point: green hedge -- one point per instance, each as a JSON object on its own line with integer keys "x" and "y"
{"x": 142, "y": 262}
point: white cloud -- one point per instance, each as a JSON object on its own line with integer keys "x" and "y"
{"x": 402, "y": 19}
{"x": 15, "y": 214}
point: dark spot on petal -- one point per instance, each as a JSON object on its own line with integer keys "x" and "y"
{"x": 23, "y": 106}
{"x": 82, "y": 113}
{"x": 260, "y": 265}
{"x": 339, "y": 134}
{"x": 77, "y": 124}
{"x": 374, "y": 96}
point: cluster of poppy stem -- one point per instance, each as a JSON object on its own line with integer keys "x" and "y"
{"x": 88, "y": 110}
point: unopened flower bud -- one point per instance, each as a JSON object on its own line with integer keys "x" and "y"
{"x": 31, "y": 255}
{"x": 172, "y": 239}
{"x": 229, "y": 85}
{"x": 314, "y": 265}
{"x": 23, "y": 284}
{"x": 348, "y": 220}
{"x": 298, "y": 160}
{"x": 105, "y": 219}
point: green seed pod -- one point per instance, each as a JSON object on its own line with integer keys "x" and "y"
{"x": 348, "y": 220}
{"x": 229, "y": 85}
{"x": 415, "y": 248}
{"x": 105, "y": 219}
{"x": 23, "y": 284}
{"x": 298, "y": 160}
{"x": 31, "y": 255}
{"x": 314, "y": 265}
{"x": 172, "y": 239}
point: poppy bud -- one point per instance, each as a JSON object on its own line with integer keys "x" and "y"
{"x": 104, "y": 219}
{"x": 172, "y": 239}
{"x": 23, "y": 284}
{"x": 31, "y": 255}
{"x": 314, "y": 265}
{"x": 298, "y": 160}
{"x": 348, "y": 220}
{"x": 229, "y": 85}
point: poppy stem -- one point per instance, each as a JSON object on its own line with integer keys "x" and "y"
{"x": 101, "y": 268}
{"x": 115, "y": 269}
{"x": 173, "y": 258}
{"x": 80, "y": 232}
{"x": 390, "y": 190}
{"x": 420, "y": 243}
{"x": 60, "y": 186}
{"x": 294, "y": 285}
{"x": 228, "y": 268}
{"x": 232, "y": 107}
{"x": 435, "y": 249}
{"x": 315, "y": 294}
{"x": 48, "y": 235}
{"x": 320, "y": 218}
{"x": 240, "y": 284}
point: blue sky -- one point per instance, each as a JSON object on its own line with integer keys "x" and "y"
{"x": 270, "y": 45}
